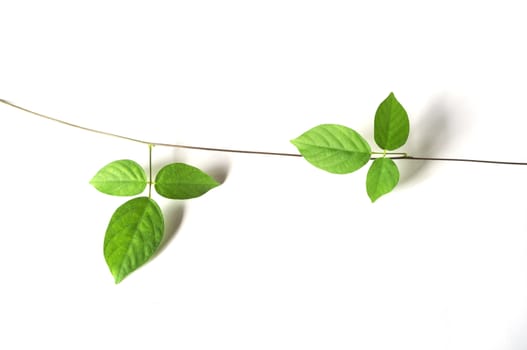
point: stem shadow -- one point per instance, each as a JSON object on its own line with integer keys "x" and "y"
{"x": 428, "y": 136}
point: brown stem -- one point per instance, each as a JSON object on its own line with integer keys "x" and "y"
{"x": 150, "y": 143}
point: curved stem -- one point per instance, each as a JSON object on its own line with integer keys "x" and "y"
{"x": 100, "y": 132}
{"x": 393, "y": 155}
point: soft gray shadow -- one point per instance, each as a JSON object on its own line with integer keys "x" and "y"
{"x": 174, "y": 214}
{"x": 216, "y": 166}
{"x": 431, "y": 134}
{"x": 219, "y": 171}
{"x": 520, "y": 344}
{"x": 519, "y": 341}
{"x": 159, "y": 162}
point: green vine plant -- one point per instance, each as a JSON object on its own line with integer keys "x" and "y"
{"x": 341, "y": 150}
{"x": 136, "y": 228}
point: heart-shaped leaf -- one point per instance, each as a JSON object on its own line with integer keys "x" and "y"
{"x": 133, "y": 236}
{"x": 334, "y": 148}
{"x": 183, "y": 181}
{"x": 120, "y": 178}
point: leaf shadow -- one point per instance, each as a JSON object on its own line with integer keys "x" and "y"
{"x": 519, "y": 342}
{"x": 164, "y": 159}
{"x": 216, "y": 164}
{"x": 219, "y": 171}
{"x": 431, "y": 134}
{"x": 174, "y": 213}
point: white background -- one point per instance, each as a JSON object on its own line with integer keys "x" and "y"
{"x": 282, "y": 255}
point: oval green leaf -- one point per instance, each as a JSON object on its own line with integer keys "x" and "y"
{"x": 392, "y": 126}
{"x": 133, "y": 236}
{"x": 183, "y": 181}
{"x": 382, "y": 178}
{"x": 334, "y": 148}
{"x": 120, "y": 178}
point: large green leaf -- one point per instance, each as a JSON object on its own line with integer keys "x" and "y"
{"x": 133, "y": 236}
{"x": 183, "y": 181}
{"x": 382, "y": 177}
{"x": 334, "y": 148}
{"x": 120, "y": 178}
{"x": 392, "y": 126}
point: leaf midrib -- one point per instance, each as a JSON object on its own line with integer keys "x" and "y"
{"x": 129, "y": 245}
{"x": 332, "y": 148}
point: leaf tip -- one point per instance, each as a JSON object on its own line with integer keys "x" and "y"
{"x": 215, "y": 183}
{"x": 372, "y": 194}
{"x": 293, "y": 141}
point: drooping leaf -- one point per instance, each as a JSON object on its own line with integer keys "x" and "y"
{"x": 120, "y": 178}
{"x": 392, "y": 126}
{"x": 133, "y": 236}
{"x": 334, "y": 148}
{"x": 382, "y": 178}
{"x": 183, "y": 181}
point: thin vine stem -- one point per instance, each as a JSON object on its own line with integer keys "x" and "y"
{"x": 100, "y": 132}
{"x": 392, "y": 155}
{"x": 460, "y": 160}
{"x": 150, "y": 180}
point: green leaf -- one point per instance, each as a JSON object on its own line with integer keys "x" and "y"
{"x": 182, "y": 181}
{"x": 133, "y": 236}
{"x": 334, "y": 148}
{"x": 392, "y": 126}
{"x": 382, "y": 178}
{"x": 120, "y": 178}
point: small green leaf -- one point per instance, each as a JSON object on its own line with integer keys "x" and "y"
{"x": 392, "y": 126}
{"x": 382, "y": 178}
{"x": 133, "y": 236}
{"x": 120, "y": 178}
{"x": 182, "y": 181}
{"x": 334, "y": 148}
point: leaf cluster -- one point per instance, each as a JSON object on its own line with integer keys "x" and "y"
{"x": 136, "y": 228}
{"x": 341, "y": 150}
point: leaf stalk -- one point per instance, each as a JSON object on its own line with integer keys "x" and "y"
{"x": 150, "y": 146}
